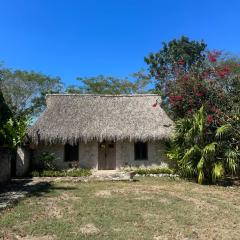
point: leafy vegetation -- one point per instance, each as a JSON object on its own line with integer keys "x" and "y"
{"x": 47, "y": 160}
{"x": 202, "y": 152}
{"x": 112, "y": 85}
{"x": 189, "y": 77}
{"x": 24, "y": 91}
{"x": 148, "y": 171}
{"x": 72, "y": 172}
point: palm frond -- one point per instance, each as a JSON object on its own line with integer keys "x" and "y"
{"x": 232, "y": 157}
{"x": 210, "y": 149}
{"x": 217, "y": 171}
{"x": 223, "y": 131}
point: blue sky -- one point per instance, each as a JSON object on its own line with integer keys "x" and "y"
{"x": 70, "y": 38}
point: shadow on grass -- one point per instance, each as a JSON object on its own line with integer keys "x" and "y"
{"x": 17, "y": 189}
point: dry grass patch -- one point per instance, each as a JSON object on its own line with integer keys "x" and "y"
{"x": 151, "y": 208}
{"x": 89, "y": 229}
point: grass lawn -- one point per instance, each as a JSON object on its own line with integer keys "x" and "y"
{"x": 151, "y": 208}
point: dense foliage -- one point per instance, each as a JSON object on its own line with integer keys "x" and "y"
{"x": 201, "y": 151}
{"x": 190, "y": 77}
{"x": 112, "y": 85}
{"x": 148, "y": 171}
{"x": 74, "y": 172}
{"x": 24, "y": 91}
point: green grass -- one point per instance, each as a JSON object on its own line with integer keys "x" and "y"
{"x": 151, "y": 208}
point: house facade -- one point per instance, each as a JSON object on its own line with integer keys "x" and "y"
{"x": 102, "y": 131}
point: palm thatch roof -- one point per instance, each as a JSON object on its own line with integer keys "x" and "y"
{"x": 86, "y": 117}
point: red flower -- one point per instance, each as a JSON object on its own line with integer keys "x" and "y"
{"x": 155, "y": 104}
{"x": 209, "y": 118}
{"x": 223, "y": 72}
{"x": 173, "y": 99}
{"x": 181, "y": 62}
{"x": 212, "y": 56}
{"x": 178, "y": 98}
{"x": 199, "y": 94}
{"x": 218, "y": 53}
{"x": 190, "y": 101}
{"x": 185, "y": 77}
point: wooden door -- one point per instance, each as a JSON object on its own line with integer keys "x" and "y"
{"x": 106, "y": 155}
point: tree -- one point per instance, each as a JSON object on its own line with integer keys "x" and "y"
{"x": 201, "y": 151}
{"x": 112, "y": 85}
{"x": 188, "y": 76}
{"x": 24, "y": 91}
{"x": 164, "y": 65}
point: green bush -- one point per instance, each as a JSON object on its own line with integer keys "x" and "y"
{"x": 202, "y": 150}
{"x": 47, "y": 161}
{"x": 146, "y": 171}
{"x": 76, "y": 172}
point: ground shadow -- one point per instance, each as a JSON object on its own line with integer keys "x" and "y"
{"x": 17, "y": 189}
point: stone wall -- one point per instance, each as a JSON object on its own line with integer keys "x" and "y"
{"x": 22, "y": 161}
{"x": 5, "y": 165}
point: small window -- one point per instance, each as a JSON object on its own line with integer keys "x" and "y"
{"x": 70, "y": 153}
{"x": 141, "y": 151}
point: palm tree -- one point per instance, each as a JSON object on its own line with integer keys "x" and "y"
{"x": 200, "y": 150}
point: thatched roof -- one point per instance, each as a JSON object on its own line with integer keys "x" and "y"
{"x": 85, "y": 117}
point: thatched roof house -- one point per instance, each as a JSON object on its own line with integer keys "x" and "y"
{"x": 88, "y": 120}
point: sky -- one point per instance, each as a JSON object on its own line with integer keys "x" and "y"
{"x": 80, "y": 38}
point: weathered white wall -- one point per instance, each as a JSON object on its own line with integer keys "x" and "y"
{"x": 125, "y": 155}
{"x": 57, "y": 149}
{"x": 22, "y": 161}
{"x": 88, "y": 155}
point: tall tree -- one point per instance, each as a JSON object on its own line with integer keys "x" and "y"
{"x": 112, "y": 85}
{"x": 24, "y": 91}
{"x": 164, "y": 65}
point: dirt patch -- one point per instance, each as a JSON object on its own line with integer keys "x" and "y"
{"x": 176, "y": 236}
{"x": 103, "y": 193}
{"x": 89, "y": 229}
{"x": 12, "y": 236}
{"x": 144, "y": 198}
{"x": 65, "y": 196}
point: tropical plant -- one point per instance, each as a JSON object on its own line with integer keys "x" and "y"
{"x": 47, "y": 161}
{"x": 200, "y": 149}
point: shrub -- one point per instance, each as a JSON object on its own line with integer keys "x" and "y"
{"x": 47, "y": 161}
{"x": 76, "y": 172}
{"x": 147, "y": 171}
{"x": 201, "y": 150}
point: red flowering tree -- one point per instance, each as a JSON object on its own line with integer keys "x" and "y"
{"x": 188, "y": 77}
{"x": 209, "y": 80}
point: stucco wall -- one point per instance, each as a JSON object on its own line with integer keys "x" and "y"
{"x": 125, "y": 155}
{"x": 88, "y": 155}
{"x": 22, "y": 162}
